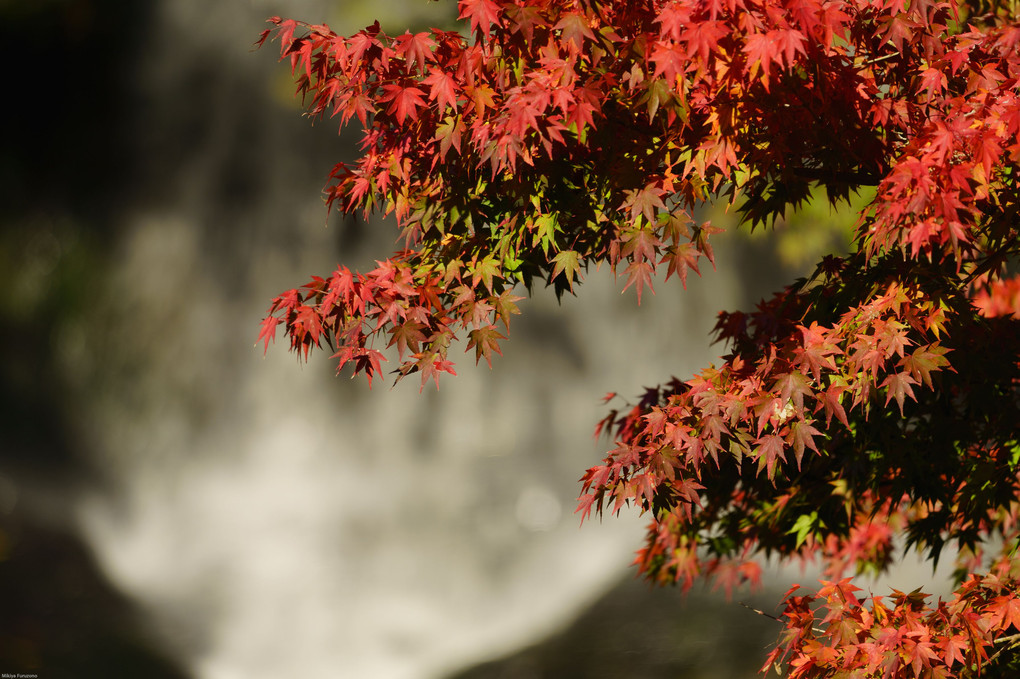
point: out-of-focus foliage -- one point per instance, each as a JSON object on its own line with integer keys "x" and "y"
{"x": 62, "y": 168}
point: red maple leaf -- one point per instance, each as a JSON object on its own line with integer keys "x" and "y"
{"x": 442, "y": 88}
{"x": 481, "y": 13}
{"x": 416, "y": 49}
{"x": 405, "y": 100}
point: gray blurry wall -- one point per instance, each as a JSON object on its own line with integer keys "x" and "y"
{"x": 174, "y": 504}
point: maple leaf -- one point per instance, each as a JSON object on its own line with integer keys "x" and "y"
{"x": 933, "y": 81}
{"x": 670, "y": 61}
{"x": 416, "y": 49}
{"x": 899, "y": 388}
{"x": 442, "y": 89}
{"x": 434, "y": 367}
{"x": 585, "y": 504}
{"x": 832, "y": 402}
{"x": 485, "y": 340}
{"x": 640, "y": 245}
{"x": 449, "y": 134}
{"x": 804, "y": 527}
{"x": 482, "y": 96}
{"x": 481, "y": 13}
{"x": 643, "y": 202}
{"x": 639, "y": 274}
{"x": 504, "y": 307}
{"x": 789, "y": 42}
{"x": 925, "y": 360}
{"x": 544, "y": 234}
{"x": 793, "y": 386}
{"x": 484, "y": 271}
{"x": 1004, "y": 612}
{"x": 404, "y": 101}
{"x": 702, "y": 39}
{"x": 525, "y": 19}
{"x": 567, "y": 263}
{"x": 673, "y": 20}
{"x": 898, "y": 29}
{"x": 761, "y": 50}
{"x": 306, "y": 326}
{"x": 285, "y": 32}
{"x": 955, "y": 650}
{"x": 801, "y": 436}
{"x": 407, "y": 334}
{"x": 267, "y": 333}
{"x": 681, "y": 258}
{"x": 575, "y": 29}
{"x": 771, "y": 451}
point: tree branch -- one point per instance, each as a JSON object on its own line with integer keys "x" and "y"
{"x": 1011, "y": 642}
{"x": 759, "y": 611}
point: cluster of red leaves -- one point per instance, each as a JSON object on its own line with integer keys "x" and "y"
{"x": 779, "y": 449}
{"x": 910, "y": 638}
{"x": 488, "y": 155}
{"x": 878, "y": 397}
{"x": 350, "y": 309}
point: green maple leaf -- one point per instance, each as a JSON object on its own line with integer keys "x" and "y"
{"x": 568, "y": 263}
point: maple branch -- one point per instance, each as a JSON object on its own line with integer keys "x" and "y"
{"x": 1011, "y": 639}
{"x": 816, "y": 630}
{"x": 759, "y": 612}
{"x": 884, "y": 57}
{"x": 1011, "y": 642}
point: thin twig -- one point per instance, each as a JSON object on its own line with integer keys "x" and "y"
{"x": 759, "y": 612}
{"x": 1010, "y": 641}
{"x": 884, "y": 57}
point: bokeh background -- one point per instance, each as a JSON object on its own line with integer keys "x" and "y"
{"x": 175, "y": 505}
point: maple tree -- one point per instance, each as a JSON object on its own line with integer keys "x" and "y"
{"x": 876, "y": 398}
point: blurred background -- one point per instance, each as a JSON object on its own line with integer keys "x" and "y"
{"x": 175, "y": 505}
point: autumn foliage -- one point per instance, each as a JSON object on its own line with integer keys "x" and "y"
{"x": 875, "y": 400}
